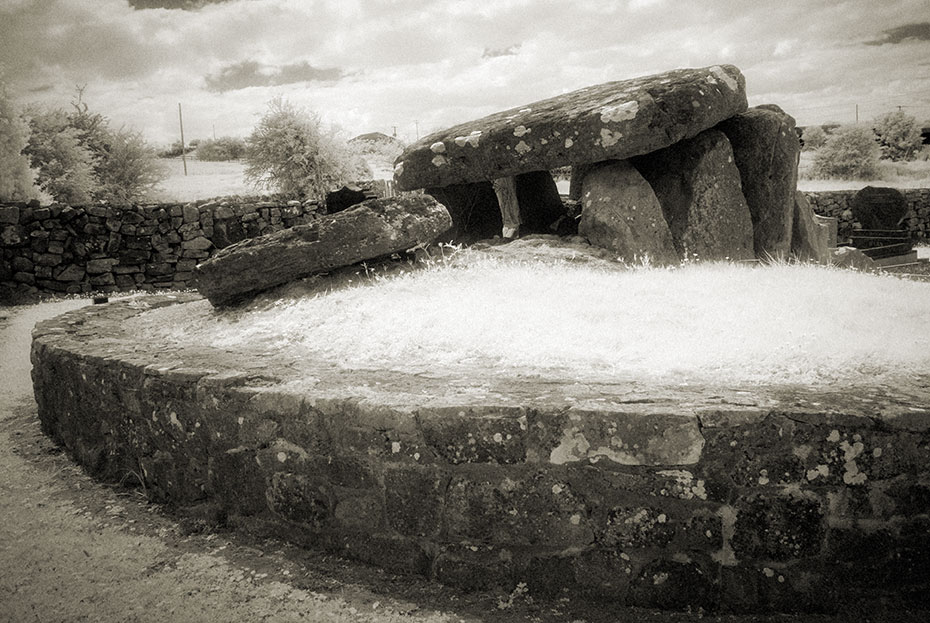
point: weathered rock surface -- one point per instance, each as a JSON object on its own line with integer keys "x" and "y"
{"x": 476, "y": 214}
{"x": 765, "y": 147}
{"x": 879, "y": 208}
{"x": 614, "y": 120}
{"x": 370, "y": 229}
{"x": 620, "y": 212}
{"x": 698, "y": 186}
{"x": 850, "y": 257}
{"x": 810, "y": 237}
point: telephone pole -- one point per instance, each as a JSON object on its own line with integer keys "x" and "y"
{"x": 181, "y": 123}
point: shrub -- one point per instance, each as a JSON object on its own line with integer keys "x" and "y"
{"x": 17, "y": 177}
{"x": 65, "y": 166}
{"x": 849, "y": 153}
{"x": 129, "y": 170}
{"x": 899, "y": 135}
{"x": 289, "y": 152}
{"x": 814, "y": 138}
{"x": 221, "y": 149}
{"x": 174, "y": 150}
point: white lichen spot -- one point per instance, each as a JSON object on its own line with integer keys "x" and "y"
{"x": 575, "y": 519}
{"x": 438, "y": 147}
{"x": 850, "y": 452}
{"x": 472, "y": 139}
{"x": 802, "y": 451}
{"x": 556, "y": 489}
{"x": 524, "y": 110}
{"x": 439, "y": 161}
{"x": 609, "y": 137}
{"x": 521, "y": 130}
{"x": 572, "y": 447}
{"x": 522, "y": 148}
{"x": 543, "y": 141}
{"x": 173, "y": 417}
{"x": 818, "y": 472}
{"x": 395, "y": 447}
{"x": 282, "y": 457}
{"x": 659, "y": 578}
{"x": 241, "y": 420}
{"x": 498, "y": 438}
{"x": 695, "y": 103}
{"x": 877, "y": 452}
{"x": 568, "y": 143}
{"x": 624, "y": 556}
{"x": 853, "y": 476}
{"x": 662, "y": 518}
{"x": 834, "y": 436}
{"x": 763, "y": 477}
{"x": 781, "y": 578}
{"x": 620, "y": 112}
{"x": 768, "y": 572}
{"x": 416, "y": 456}
{"x": 724, "y": 77}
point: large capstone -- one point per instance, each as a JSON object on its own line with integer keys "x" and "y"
{"x": 620, "y": 212}
{"x": 698, "y": 187}
{"x": 765, "y": 146}
{"x": 614, "y": 120}
{"x": 368, "y": 230}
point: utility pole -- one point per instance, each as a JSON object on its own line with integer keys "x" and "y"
{"x": 214, "y": 131}
{"x": 857, "y": 113}
{"x": 181, "y": 123}
{"x": 416, "y": 124}
{"x": 395, "y": 131}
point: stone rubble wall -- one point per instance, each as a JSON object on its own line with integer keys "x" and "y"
{"x": 98, "y": 248}
{"x": 838, "y": 203}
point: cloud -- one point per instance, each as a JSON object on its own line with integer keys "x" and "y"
{"x": 252, "y": 74}
{"x": 919, "y": 31}
{"x": 184, "y": 5}
{"x": 495, "y": 52}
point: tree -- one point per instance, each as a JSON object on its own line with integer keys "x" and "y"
{"x": 65, "y": 166}
{"x": 129, "y": 170}
{"x": 221, "y": 149}
{"x": 851, "y": 152}
{"x": 288, "y": 151}
{"x": 899, "y": 135}
{"x": 814, "y": 138}
{"x": 17, "y": 177}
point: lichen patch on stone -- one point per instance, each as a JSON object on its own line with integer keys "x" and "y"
{"x": 521, "y": 130}
{"x": 438, "y": 147}
{"x": 439, "y": 161}
{"x": 523, "y": 148}
{"x": 724, "y": 77}
{"x": 609, "y": 137}
{"x": 620, "y": 112}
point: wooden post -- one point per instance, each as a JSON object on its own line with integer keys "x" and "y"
{"x": 506, "y": 190}
{"x": 181, "y": 123}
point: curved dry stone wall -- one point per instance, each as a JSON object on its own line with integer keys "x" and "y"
{"x": 838, "y": 204}
{"x": 79, "y": 249}
{"x": 762, "y": 499}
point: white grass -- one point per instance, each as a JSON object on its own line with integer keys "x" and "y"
{"x": 203, "y": 180}
{"x": 913, "y": 174}
{"x": 719, "y": 323}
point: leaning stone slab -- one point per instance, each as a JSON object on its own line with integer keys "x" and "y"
{"x": 810, "y": 237}
{"x": 614, "y": 120}
{"x": 766, "y": 149}
{"x": 698, "y": 187}
{"x": 620, "y": 212}
{"x": 370, "y": 229}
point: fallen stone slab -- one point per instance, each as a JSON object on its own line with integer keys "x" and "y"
{"x": 367, "y": 230}
{"x": 614, "y": 120}
{"x": 698, "y": 186}
{"x": 766, "y": 147}
{"x": 620, "y": 212}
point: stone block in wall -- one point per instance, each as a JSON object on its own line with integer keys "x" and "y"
{"x": 71, "y": 272}
{"x": 21, "y": 264}
{"x": 105, "y": 279}
{"x": 12, "y": 235}
{"x": 24, "y": 277}
{"x": 198, "y": 244}
{"x": 101, "y": 265}
{"x": 9, "y": 214}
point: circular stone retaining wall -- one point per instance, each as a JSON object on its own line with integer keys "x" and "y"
{"x": 748, "y": 499}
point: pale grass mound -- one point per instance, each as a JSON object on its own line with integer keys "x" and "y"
{"x": 716, "y": 323}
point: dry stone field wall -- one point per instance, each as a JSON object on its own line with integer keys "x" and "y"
{"x": 838, "y": 204}
{"x": 79, "y": 249}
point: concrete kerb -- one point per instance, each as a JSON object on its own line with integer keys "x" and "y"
{"x": 759, "y": 499}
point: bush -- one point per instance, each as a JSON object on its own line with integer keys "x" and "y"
{"x": 289, "y": 152}
{"x": 174, "y": 150}
{"x": 65, "y": 166}
{"x": 80, "y": 159}
{"x": 814, "y": 138}
{"x": 849, "y": 153}
{"x": 221, "y": 149}
{"x": 899, "y": 135}
{"x": 17, "y": 177}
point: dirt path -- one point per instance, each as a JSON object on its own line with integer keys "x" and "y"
{"x": 72, "y": 549}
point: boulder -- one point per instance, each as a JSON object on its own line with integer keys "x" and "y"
{"x": 811, "y": 234}
{"x": 367, "y": 230}
{"x": 698, "y": 186}
{"x": 766, "y": 149}
{"x": 615, "y": 120}
{"x": 620, "y": 212}
{"x": 850, "y": 257}
{"x": 879, "y": 208}
{"x": 476, "y": 213}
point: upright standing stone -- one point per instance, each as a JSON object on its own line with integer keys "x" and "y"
{"x": 370, "y": 229}
{"x": 615, "y": 120}
{"x": 620, "y": 212}
{"x": 766, "y": 148}
{"x": 810, "y": 237}
{"x": 698, "y": 187}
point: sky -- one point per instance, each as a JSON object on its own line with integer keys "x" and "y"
{"x": 412, "y": 67}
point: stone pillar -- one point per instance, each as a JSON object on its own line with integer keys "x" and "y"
{"x": 506, "y": 190}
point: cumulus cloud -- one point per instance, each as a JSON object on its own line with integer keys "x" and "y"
{"x": 252, "y": 74}
{"x": 902, "y": 34}
{"x": 511, "y": 50}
